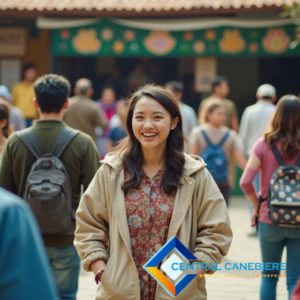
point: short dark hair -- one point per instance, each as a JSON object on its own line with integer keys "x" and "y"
{"x": 217, "y": 82}
{"x": 27, "y": 67}
{"x": 51, "y": 92}
{"x": 175, "y": 86}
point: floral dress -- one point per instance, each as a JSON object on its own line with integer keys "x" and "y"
{"x": 149, "y": 211}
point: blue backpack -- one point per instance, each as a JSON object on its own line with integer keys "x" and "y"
{"x": 215, "y": 158}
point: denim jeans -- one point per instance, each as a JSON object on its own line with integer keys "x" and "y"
{"x": 65, "y": 265}
{"x": 273, "y": 239}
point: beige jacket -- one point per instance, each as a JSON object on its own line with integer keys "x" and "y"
{"x": 199, "y": 221}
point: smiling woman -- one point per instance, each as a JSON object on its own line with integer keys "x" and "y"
{"x": 154, "y": 127}
{"x": 145, "y": 193}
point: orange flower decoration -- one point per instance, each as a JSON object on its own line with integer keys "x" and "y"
{"x": 210, "y": 35}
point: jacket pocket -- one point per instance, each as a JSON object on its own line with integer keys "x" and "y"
{"x": 105, "y": 285}
{"x": 101, "y": 293}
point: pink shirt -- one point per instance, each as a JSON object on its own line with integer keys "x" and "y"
{"x": 268, "y": 166}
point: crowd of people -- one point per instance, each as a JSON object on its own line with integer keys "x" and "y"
{"x": 163, "y": 172}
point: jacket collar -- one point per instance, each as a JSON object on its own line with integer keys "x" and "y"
{"x": 193, "y": 163}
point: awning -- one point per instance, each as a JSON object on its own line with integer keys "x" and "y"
{"x": 138, "y": 6}
{"x": 125, "y": 38}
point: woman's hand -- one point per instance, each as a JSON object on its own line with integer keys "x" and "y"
{"x": 254, "y": 218}
{"x": 98, "y": 268}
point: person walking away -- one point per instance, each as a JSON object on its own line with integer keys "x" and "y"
{"x": 272, "y": 156}
{"x": 140, "y": 198}
{"x": 23, "y": 93}
{"x": 217, "y": 144}
{"x": 83, "y": 113}
{"x": 220, "y": 89}
{"x": 256, "y": 117}
{"x": 189, "y": 119}
{"x": 47, "y": 165}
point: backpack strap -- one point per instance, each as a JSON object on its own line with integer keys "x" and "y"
{"x": 31, "y": 142}
{"x": 278, "y": 155}
{"x": 65, "y": 136}
{"x": 208, "y": 141}
{"x": 224, "y": 139}
{"x": 206, "y": 138}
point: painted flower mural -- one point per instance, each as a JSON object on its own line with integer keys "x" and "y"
{"x": 86, "y": 41}
{"x": 276, "y": 41}
{"x": 65, "y": 34}
{"x": 232, "y": 41}
{"x": 210, "y": 35}
{"x": 134, "y": 47}
{"x": 199, "y": 47}
{"x": 118, "y": 47}
{"x": 129, "y": 35}
{"x": 253, "y": 47}
{"x": 159, "y": 42}
{"x": 107, "y": 34}
{"x": 188, "y": 36}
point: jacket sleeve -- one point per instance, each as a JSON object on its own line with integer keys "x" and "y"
{"x": 24, "y": 268}
{"x": 214, "y": 234}
{"x": 100, "y": 118}
{"x": 91, "y": 234}
{"x": 6, "y": 169}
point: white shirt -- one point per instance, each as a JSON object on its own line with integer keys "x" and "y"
{"x": 189, "y": 121}
{"x": 254, "y": 122}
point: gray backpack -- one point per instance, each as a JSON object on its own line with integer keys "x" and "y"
{"x": 48, "y": 188}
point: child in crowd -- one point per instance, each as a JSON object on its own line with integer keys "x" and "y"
{"x": 217, "y": 145}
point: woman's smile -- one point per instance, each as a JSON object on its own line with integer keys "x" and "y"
{"x": 151, "y": 123}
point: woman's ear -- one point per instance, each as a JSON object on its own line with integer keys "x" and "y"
{"x": 174, "y": 123}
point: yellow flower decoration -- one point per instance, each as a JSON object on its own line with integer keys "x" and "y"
{"x": 86, "y": 41}
{"x": 232, "y": 41}
{"x": 118, "y": 47}
{"x": 199, "y": 46}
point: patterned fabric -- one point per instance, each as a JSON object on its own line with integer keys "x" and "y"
{"x": 149, "y": 211}
{"x": 284, "y": 196}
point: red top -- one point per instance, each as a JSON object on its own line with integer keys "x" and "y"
{"x": 149, "y": 211}
{"x": 268, "y": 166}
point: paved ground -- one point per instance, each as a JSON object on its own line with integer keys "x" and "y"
{"x": 243, "y": 249}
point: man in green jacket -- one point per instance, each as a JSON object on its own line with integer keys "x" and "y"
{"x": 80, "y": 159}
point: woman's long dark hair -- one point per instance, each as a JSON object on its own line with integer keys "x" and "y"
{"x": 4, "y": 115}
{"x": 285, "y": 126}
{"x": 174, "y": 157}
